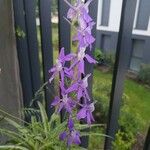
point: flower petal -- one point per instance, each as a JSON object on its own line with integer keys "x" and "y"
{"x": 70, "y": 124}
{"x": 56, "y": 101}
{"x": 63, "y": 135}
{"x": 62, "y": 53}
{"x": 81, "y": 114}
{"x": 72, "y": 88}
{"x": 90, "y": 59}
{"x": 81, "y": 66}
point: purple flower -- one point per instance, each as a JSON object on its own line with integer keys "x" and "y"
{"x": 80, "y": 86}
{"x": 84, "y": 37}
{"x": 80, "y": 60}
{"x": 64, "y": 103}
{"x": 63, "y": 135}
{"x": 86, "y": 113}
{"x": 59, "y": 66}
{"x": 70, "y": 124}
{"x": 79, "y": 11}
{"x": 72, "y": 138}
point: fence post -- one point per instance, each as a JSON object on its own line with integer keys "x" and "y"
{"x": 47, "y": 50}
{"x": 147, "y": 141}
{"x": 122, "y": 58}
{"x": 22, "y": 49}
{"x": 30, "y": 18}
{"x": 64, "y": 26}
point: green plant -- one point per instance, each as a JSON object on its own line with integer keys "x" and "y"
{"x": 99, "y": 56}
{"x": 130, "y": 120}
{"x": 130, "y": 123}
{"x": 109, "y": 58}
{"x": 41, "y": 133}
{"x": 124, "y": 141}
{"x": 20, "y": 33}
{"x": 105, "y": 58}
{"x": 144, "y": 74}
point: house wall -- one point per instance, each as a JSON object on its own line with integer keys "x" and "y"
{"x": 10, "y": 87}
{"x": 107, "y": 30}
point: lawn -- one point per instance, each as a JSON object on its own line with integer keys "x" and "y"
{"x": 139, "y": 95}
{"x": 136, "y": 97}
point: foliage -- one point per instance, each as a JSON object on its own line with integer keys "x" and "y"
{"x": 130, "y": 124}
{"x": 20, "y": 33}
{"x": 104, "y": 58}
{"x": 124, "y": 140}
{"x": 99, "y": 56}
{"x": 130, "y": 121}
{"x": 40, "y": 134}
{"x": 110, "y": 59}
{"x": 144, "y": 74}
{"x": 54, "y": 6}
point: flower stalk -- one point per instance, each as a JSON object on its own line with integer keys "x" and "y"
{"x": 78, "y": 16}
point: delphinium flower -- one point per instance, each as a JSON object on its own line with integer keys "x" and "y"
{"x": 84, "y": 36}
{"x": 72, "y": 136}
{"x": 86, "y": 112}
{"x": 81, "y": 103}
{"x": 79, "y": 12}
{"x": 59, "y": 66}
{"x": 80, "y": 60}
{"x": 80, "y": 87}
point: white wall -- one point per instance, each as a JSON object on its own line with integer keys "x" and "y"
{"x": 115, "y": 16}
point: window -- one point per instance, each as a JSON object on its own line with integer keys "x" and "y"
{"x": 109, "y": 13}
{"x": 137, "y": 54}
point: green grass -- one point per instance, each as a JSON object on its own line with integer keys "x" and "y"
{"x": 137, "y": 101}
{"x": 139, "y": 95}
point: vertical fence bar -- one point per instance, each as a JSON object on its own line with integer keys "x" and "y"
{"x": 122, "y": 58}
{"x": 32, "y": 43}
{"x": 89, "y": 68}
{"x": 147, "y": 141}
{"x": 64, "y": 27}
{"x": 22, "y": 49}
{"x": 47, "y": 50}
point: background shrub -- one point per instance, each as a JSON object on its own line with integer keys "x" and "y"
{"x": 107, "y": 59}
{"x": 129, "y": 122}
{"x": 144, "y": 74}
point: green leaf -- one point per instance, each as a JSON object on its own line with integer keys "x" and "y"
{"x": 44, "y": 118}
{"x": 94, "y": 134}
{"x": 3, "y": 147}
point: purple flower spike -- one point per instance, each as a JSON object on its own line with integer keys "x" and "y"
{"x": 65, "y": 103}
{"x": 86, "y": 112}
{"x": 73, "y": 87}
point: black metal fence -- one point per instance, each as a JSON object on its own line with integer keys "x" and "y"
{"x": 25, "y": 19}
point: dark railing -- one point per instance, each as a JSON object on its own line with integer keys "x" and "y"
{"x": 25, "y": 19}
